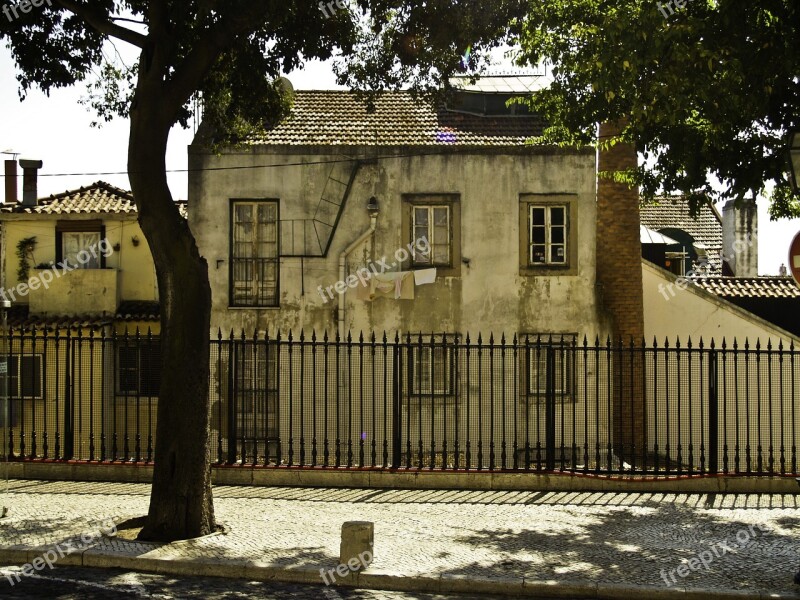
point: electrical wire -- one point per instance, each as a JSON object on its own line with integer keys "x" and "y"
{"x": 269, "y": 166}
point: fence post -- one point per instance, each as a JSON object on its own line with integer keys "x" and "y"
{"x": 232, "y": 398}
{"x": 69, "y": 399}
{"x": 550, "y": 409}
{"x": 397, "y": 389}
{"x": 713, "y": 412}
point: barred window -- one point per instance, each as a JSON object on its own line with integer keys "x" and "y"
{"x": 139, "y": 368}
{"x": 255, "y": 381}
{"x": 433, "y": 365}
{"x": 254, "y": 254}
{"x": 536, "y": 350}
{"x": 25, "y": 376}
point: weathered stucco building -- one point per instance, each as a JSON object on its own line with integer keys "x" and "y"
{"x": 334, "y": 188}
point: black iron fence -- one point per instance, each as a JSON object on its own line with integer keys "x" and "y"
{"x": 436, "y": 402}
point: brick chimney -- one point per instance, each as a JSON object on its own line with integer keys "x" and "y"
{"x": 740, "y": 239}
{"x": 619, "y": 276}
{"x": 30, "y": 185}
{"x": 619, "y": 249}
{"x": 11, "y": 181}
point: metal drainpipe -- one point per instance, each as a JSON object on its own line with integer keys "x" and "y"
{"x": 373, "y": 223}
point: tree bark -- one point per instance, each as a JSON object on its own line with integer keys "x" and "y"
{"x": 181, "y": 504}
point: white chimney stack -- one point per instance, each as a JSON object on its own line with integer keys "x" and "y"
{"x": 740, "y": 239}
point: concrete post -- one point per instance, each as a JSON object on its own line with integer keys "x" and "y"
{"x": 358, "y": 541}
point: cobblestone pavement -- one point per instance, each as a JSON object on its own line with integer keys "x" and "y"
{"x": 746, "y": 542}
{"x": 74, "y": 583}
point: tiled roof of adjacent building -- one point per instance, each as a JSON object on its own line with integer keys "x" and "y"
{"x": 750, "y": 287}
{"x": 97, "y": 198}
{"x": 673, "y": 213}
{"x": 334, "y": 118}
{"x": 19, "y": 317}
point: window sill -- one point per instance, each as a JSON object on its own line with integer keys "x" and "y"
{"x": 548, "y": 270}
{"x": 254, "y": 307}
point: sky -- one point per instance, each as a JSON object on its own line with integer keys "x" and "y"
{"x": 57, "y": 130}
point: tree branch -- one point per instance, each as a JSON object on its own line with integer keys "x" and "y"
{"x": 100, "y": 21}
{"x": 191, "y": 72}
{"x": 126, "y": 20}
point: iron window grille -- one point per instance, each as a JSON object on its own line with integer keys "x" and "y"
{"x": 433, "y": 366}
{"x": 254, "y": 254}
{"x": 25, "y": 377}
{"x": 139, "y": 368}
{"x": 539, "y": 349}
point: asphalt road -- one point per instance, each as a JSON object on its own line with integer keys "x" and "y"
{"x": 70, "y": 583}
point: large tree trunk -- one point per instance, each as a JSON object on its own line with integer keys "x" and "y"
{"x": 619, "y": 274}
{"x": 181, "y": 504}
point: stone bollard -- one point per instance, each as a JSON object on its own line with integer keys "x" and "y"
{"x": 358, "y": 542}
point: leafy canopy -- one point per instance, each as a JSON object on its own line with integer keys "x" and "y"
{"x": 379, "y": 44}
{"x": 709, "y": 91}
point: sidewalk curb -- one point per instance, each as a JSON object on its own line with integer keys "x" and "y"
{"x": 445, "y": 583}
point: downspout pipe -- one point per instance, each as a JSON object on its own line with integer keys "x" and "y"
{"x": 343, "y": 262}
{"x": 373, "y": 224}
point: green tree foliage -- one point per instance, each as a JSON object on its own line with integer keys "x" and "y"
{"x": 709, "y": 89}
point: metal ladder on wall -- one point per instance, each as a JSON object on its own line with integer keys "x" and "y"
{"x": 311, "y": 237}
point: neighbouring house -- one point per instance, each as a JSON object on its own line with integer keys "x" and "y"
{"x": 83, "y": 324}
{"x": 717, "y": 254}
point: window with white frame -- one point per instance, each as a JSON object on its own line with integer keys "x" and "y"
{"x": 547, "y": 235}
{"x": 254, "y": 253}
{"x": 432, "y": 223}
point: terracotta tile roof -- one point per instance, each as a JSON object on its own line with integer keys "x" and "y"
{"x": 749, "y": 287}
{"x": 19, "y": 317}
{"x": 333, "y": 118}
{"x": 97, "y": 198}
{"x": 673, "y": 213}
{"x": 138, "y": 310}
